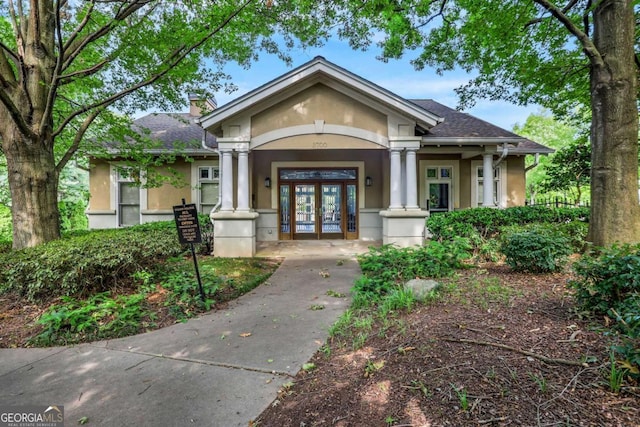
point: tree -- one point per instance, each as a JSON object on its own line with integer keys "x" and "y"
{"x": 569, "y": 169}
{"x": 542, "y": 127}
{"x": 578, "y": 53}
{"x": 67, "y": 65}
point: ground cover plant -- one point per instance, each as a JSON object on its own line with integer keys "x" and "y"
{"x": 103, "y": 284}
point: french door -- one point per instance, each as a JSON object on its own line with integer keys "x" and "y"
{"x": 311, "y": 210}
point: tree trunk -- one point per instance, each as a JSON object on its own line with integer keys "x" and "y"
{"x": 33, "y": 181}
{"x": 615, "y": 212}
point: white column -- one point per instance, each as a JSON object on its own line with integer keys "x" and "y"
{"x": 411, "y": 180}
{"x": 403, "y": 179}
{"x": 395, "y": 198}
{"x": 243, "y": 181}
{"x": 487, "y": 180}
{"x": 227, "y": 180}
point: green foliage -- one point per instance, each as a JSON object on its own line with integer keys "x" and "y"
{"x": 387, "y": 268}
{"x": 72, "y": 215}
{"x": 608, "y": 279}
{"x": 87, "y": 262}
{"x": 6, "y": 228}
{"x": 184, "y": 293}
{"x": 574, "y": 231}
{"x": 535, "y": 251}
{"x": 100, "y": 316}
{"x": 609, "y": 283}
{"x": 481, "y": 223}
{"x": 569, "y": 169}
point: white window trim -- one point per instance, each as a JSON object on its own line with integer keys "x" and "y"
{"x": 115, "y": 188}
{"x": 195, "y": 178}
{"x": 454, "y": 196}
{"x": 502, "y": 183}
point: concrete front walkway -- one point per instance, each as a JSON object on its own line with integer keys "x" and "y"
{"x": 221, "y": 369}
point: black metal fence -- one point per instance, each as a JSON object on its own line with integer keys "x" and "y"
{"x": 557, "y": 202}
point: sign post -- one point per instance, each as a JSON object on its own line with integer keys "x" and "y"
{"x": 189, "y": 233}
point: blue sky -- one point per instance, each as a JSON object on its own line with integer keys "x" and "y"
{"x": 397, "y": 76}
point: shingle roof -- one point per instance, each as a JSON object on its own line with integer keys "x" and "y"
{"x": 170, "y": 128}
{"x": 457, "y": 124}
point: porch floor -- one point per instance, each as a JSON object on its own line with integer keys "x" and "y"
{"x": 305, "y": 248}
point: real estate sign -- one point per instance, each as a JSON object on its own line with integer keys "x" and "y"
{"x": 187, "y": 223}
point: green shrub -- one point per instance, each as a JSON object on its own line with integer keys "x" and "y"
{"x": 482, "y": 223}
{"x": 575, "y": 232}
{"x": 385, "y": 269}
{"x": 535, "y": 251}
{"x": 609, "y": 283}
{"x": 85, "y": 263}
{"x": 608, "y": 278}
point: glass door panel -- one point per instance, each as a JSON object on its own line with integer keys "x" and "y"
{"x": 305, "y": 210}
{"x": 285, "y": 212}
{"x": 438, "y": 197}
{"x": 331, "y": 211}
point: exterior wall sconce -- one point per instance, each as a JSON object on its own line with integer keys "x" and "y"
{"x": 368, "y": 181}
{"x": 267, "y": 182}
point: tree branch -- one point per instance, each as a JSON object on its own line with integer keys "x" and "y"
{"x": 163, "y": 68}
{"x": 81, "y": 26}
{"x": 525, "y": 352}
{"x": 69, "y": 78}
{"x": 77, "y": 139}
{"x": 74, "y": 50}
{"x": 587, "y": 44}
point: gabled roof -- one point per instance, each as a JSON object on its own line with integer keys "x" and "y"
{"x": 311, "y": 72}
{"x": 462, "y": 126}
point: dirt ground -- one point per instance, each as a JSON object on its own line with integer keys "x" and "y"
{"x": 501, "y": 349}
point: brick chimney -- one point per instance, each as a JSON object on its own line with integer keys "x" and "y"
{"x": 198, "y": 106}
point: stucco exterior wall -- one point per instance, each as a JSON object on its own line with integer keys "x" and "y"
{"x": 516, "y": 181}
{"x": 167, "y": 195}
{"x": 319, "y": 102}
{"x": 99, "y": 185}
{"x": 465, "y": 184}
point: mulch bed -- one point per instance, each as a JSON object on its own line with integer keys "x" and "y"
{"x": 501, "y": 349}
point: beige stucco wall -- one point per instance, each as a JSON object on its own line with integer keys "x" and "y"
{"x": 168, "y": 195}
{"x": 319, "y": 102}
{"x": 465, "y": 184}
{"x": 516, "y": 181}
{"x": 99, "y": 185}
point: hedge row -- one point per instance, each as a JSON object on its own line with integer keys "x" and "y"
{"x": 486, "y": 222}
{"x": 85, "y": 262}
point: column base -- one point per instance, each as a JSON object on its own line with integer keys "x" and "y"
{"x": 403, "y": 228}
{"x": 234, "y": 234}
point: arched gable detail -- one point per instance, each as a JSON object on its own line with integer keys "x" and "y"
{"x": 319, "y": 129}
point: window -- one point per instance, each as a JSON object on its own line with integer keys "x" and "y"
{"x": 498, "y": 184}
{"x": 439, "y": 186}
{"x": 208, "y": 187}
{"x": 128, "y": 198}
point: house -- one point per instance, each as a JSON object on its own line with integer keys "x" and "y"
{"x": 321, "y": 153}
